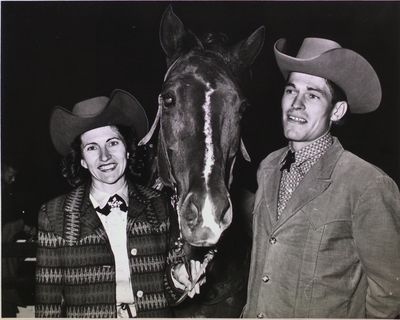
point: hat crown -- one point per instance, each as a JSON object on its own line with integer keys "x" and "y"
{"x": 344, "y": 67}
{"x": 314, "y": 47}
{"x": 90, "y": 107}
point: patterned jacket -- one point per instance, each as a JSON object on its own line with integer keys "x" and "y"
{"x": 75, "y": 274}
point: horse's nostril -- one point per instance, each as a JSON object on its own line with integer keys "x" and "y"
{"x": 192, "y": 215}
{"x": 226, "y": 217}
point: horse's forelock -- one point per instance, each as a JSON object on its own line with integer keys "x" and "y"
{"x": 215, "y": 39}
{"x": 219, "y": 50}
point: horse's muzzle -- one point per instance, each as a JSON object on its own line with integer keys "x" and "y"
{"x": 203, "y": 219}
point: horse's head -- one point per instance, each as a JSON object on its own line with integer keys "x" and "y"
{"x": 200, "y": 108}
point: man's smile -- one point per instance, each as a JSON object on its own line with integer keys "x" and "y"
{"x": 107, "y": 167}
{"x": 292, "y": 118}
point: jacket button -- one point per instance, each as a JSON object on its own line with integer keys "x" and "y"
{"x": 134, "y": 252}
{"x": 272, "y": 240}
{"x": 139, "y": 294}
{"x": 260, "y": 315}
{"x": 265, "y": 278}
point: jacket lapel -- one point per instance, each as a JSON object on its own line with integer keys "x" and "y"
{"x": 316, "y": 181}
{"x": 90, "y": 222}
{"x": 137, "y": 205}
{"x": 272, "y": 176}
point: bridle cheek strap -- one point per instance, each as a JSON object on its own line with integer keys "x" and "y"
{"x": 149, "y": 134}
{"x": 243, "y": 149}
{"x": 231, "y": 172}
{"x": 165, "y": 158}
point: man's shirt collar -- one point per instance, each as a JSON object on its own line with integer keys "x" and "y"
{"x": 313, "y": 150}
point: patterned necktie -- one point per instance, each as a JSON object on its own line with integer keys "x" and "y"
{"x": 288, "y": 161}
{"x": 115, "y": 201}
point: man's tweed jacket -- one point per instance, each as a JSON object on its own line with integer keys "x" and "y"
{"x": 75, "y": 274}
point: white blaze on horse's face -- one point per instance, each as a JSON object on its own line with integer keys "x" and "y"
{"x": 209, "y": 151}
{"x": 209, "y": 208}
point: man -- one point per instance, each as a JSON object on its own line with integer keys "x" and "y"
{"x": 326, "y": 223}
{"x": 104, "y": 247}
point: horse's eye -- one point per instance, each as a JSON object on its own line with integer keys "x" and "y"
{"x": 168, "y": 100}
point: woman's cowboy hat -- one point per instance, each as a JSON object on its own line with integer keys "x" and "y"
{"x": 120, "y": 109}
{"x": 346, "y": 68}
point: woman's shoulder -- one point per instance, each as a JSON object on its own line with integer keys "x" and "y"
{"x": 75, "y": 194}
{"x": 159, "y": 201}
{"x": 148, "y": 193}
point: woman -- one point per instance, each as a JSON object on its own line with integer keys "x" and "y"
{"x": 104, "y": 247}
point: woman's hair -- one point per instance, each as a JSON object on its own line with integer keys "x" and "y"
{"x": 75, "y": 174}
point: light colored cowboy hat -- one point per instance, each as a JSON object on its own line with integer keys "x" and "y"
{"x": 120, "y": 109}
{"x": 346, "y": 68}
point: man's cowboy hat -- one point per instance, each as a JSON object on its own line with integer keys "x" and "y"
{"x": 346, "y": 68}
{"x": 120, "y": 109}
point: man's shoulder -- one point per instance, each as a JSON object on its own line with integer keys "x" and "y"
{"x": 354, "y": 164}
{"x": 360, "y": 174}
{"x": 273, "y": 159}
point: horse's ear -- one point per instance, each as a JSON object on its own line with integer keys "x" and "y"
{"x": 247, "y": 50}
{"x": 174, "y": 37}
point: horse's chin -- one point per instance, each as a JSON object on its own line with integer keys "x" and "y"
{"x": 200, "y": 236}
{"x": 202, "y": 243}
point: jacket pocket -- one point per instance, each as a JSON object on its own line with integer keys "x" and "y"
{"x": 323, "y": 302}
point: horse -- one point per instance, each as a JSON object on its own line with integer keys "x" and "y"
{"x": 200, "y": 109}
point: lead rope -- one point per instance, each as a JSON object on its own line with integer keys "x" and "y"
{"x": 179, "y": 244}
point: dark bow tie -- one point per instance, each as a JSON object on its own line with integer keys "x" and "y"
{"x": 115, "y": 201}
{"x": 288, "y": 161}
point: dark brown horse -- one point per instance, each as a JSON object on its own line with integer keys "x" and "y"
{"x": 200, "y": 108}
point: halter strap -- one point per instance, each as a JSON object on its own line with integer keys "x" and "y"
{"x": 170, "y": 68}
{"x": 243, "y": 149}
{"x": 149, "y": 134}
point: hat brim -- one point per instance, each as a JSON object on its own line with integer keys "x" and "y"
{"x": 346, "y": 68}
{"x": 122, "y": 109}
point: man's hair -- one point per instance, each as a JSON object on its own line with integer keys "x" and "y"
{"x": 337, "y": 95}
{"x": 336, "y": 91}
{"x": 75, "y": 174}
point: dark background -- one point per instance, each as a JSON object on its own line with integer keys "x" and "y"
{"x": 59, "y": 53}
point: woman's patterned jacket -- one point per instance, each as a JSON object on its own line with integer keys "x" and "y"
{"x": 75, "y": 274}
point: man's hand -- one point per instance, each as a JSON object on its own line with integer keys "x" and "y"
{"x": 181, "y": 278}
